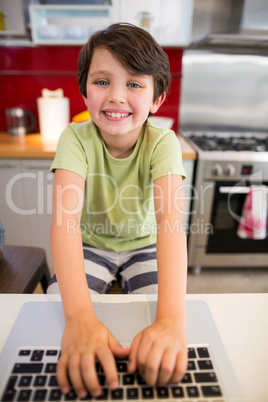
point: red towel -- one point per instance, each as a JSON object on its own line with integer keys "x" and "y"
{"x": 253, "y": 221}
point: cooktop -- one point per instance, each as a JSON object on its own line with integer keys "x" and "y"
{"x": 253, "y": 142}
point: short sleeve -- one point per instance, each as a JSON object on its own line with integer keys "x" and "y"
{"x": 167, "y": 157}
{"x": 70, "y": 154}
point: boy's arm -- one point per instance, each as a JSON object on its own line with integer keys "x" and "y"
{"x": 160, "y": 351}
{"x": 171, "y": 248}
{"x": 84, "y": 339}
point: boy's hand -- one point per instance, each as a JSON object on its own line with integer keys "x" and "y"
{"x": 84, "y": 342}
{"x": 160, "y": 352}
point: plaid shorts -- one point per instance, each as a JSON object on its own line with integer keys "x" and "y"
{"x": 136, "y": 269}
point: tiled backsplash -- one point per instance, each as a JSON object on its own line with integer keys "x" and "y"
{"x": 25, "y": 71}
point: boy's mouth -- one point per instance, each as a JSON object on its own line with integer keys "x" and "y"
{"x": 116, "y": 115}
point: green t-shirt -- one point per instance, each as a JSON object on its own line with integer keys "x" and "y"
{"x": 118, "y": 212}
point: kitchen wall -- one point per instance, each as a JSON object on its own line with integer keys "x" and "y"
{"x": 25, "y": 71}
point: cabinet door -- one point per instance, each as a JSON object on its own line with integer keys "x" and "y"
{"x": 170, "y": 20}
{"x": 13, "y": 212}
{"x": 38, "y": 185}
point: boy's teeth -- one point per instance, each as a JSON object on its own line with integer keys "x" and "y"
{"x": 116, "y": 115}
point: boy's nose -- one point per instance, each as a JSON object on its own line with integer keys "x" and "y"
{"x": 116, "y": 95}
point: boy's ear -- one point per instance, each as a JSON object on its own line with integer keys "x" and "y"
{"x": 85, "y": 100}
{"x": 158, "y": 102}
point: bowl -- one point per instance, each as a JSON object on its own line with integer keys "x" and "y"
{"x": 162, "y": 122}
{"x": 49, "y": 31}
{"x": 74, "y": 32}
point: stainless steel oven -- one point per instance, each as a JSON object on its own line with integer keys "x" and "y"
{"x": 224, "y": 114}
{"x": 227, "y": 203}
{"x": 222, "y": 182}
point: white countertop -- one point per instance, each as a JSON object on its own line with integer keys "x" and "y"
{"x": 241, "y": 319}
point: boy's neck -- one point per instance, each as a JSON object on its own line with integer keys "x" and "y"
{"x": 121, "y": 147}
{"x": 120, "y": 152}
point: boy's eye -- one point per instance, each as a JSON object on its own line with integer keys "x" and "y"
{"x": 102, "y": 82}
{"x": 134, "y": 85}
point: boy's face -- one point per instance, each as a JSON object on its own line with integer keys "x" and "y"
{"x": 118, "y": 102}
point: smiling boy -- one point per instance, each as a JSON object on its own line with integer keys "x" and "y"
{"x": 117, "y": 195}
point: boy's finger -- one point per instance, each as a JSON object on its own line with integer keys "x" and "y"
{"x": 133, "y": 354}
{"x": 107, "y": 362}
{"x": 151, "y": 369}
{"x": 74, "y": 370}
{"x": 167, "y": 369}
{"x": 181, "y": 366}
{"x": 62, "y": 377}
{"x": 90, "y": 376}
{"x": 145, "y": 349}
{"x": 117, "y": 349}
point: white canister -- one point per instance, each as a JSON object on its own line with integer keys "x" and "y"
{"x": 54, "y": 116}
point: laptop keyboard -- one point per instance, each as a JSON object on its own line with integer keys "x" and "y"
{"x": 33, "y": 378}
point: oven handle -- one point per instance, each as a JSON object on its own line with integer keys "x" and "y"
{"x": 236, "y": 189}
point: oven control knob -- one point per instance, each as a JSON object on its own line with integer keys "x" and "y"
{"x": 229, "y": 170}
{"x": 217, "y": 170}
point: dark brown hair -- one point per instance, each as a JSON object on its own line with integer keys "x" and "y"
{"x": 134, "y": 48}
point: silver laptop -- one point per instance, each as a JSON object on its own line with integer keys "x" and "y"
{"x": 29, "y": 358}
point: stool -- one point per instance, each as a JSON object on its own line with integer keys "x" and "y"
{"x": 22, "y": 268}
{"x": 115, "y": 288}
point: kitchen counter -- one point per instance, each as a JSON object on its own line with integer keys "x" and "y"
{"x": 29, "y": 146}
{"x": 187, "y": 151}
{"x": 34, "y": 146}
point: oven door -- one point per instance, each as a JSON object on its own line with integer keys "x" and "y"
{"x": 227, "y": 208}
